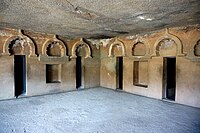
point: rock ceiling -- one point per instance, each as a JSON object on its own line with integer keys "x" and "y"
{"x": 97, "y": 18}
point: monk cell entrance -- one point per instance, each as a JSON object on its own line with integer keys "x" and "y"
{"x": 20, "y": 74}
{"x": 78, "y": 72}
{"x": 119, "y": 73}
{"x": 169, "y": 78}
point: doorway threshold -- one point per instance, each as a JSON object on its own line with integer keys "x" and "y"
{"x": 168, "y": 100}
{"x": 21, "y": 96}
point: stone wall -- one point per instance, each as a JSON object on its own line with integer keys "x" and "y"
{"x": 40, "y": 50}
{"x": 179, "y": 43}
{"x": 143, "y": 62}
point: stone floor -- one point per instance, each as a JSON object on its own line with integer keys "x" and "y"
{"x": 96, "y": 110}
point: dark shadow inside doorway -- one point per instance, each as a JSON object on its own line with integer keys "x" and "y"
{"x": 20, "y": 74}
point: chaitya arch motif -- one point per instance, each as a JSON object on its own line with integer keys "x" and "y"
{"x": 119, "y": 44}
{"x": 52, "y": 44}
{"x": 81, "y": 44}
{"x": 169, "y": 44}
{"x": 197, "y": 49}
{"x": 140, "y": 49}
{"x": 194, "y": 53}
{"x": 54, "y": 51}
{"x": 19, "y": 45}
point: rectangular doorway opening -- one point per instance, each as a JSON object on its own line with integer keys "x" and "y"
{"x": 78, "y": 72}
{"x": 119, "y": 73}
{"x": 169, "y": 78}
{"x": 20, "y": 74}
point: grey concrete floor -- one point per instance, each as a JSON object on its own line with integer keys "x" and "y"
{"x": 96, "y": 110}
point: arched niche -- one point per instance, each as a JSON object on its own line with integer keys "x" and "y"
{"x": 166, "y": 42}
{"x": 138, "y": 49}
{"x": 119, "y": 44}
{"x": 166, "y": 47}
{"x": 194, "y": 53}
{"x": 197, "y": 49}
{"x": 18, "y": 46}
{"x": 143, "y": 48}
{"x": 52, "y": 44}
{"x": 58, "y": 56}
{"x": 80, "y": 51}
{"x": 54, "y": 49}
{"x": 78, "y": 45}
{"x": 20, "y": 41}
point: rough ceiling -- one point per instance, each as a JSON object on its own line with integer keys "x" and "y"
{"x": 97, "y": 18}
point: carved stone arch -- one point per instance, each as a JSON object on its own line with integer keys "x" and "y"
{"x": 142, "y": 49}
{"x": 115, "y": 43}
{"x": 196, "y": 50}
{"x": 23, "y": 37}
{"x": 168, "y": 36}
{"x": 81, "y": 43}
{"x": 53, "y": 41}
{"x": 146, "y": 45}
{"x": 49, "y": 59}
{"x": 194, "y": 53}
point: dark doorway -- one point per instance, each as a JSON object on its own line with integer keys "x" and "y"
{"x": 20, "y": 74}
{"x": 78, "y": 72}
{"x": 169, "y": 78}
{"x": 119, "y": 72}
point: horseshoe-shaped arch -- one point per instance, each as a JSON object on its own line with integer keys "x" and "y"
{"x": 145, "y": 43}
{"x": 172, "y": 37}
{"x": 63, "y": 48}
{"x": 116, "y": 42}
{"x": 87, "y": 49}
{"x": 27, "y": 39}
